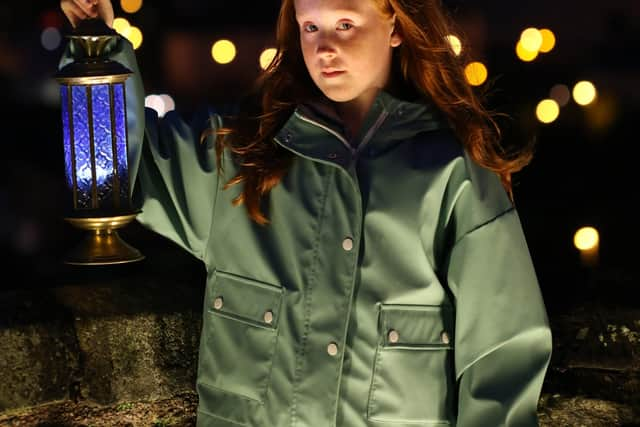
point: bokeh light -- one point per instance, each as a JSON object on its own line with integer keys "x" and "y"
{"x": 122, "y": 26}
{"x": 455, "y": 43}
{"x": 131, "y": 6}
{"x": 134, "y": 35}
{"x": 584, "y": 93}
{"x": 602, "y": 116}
{"x": 162, "y": 104}
{"x": 223, "y": 51}
{"x": 547, "y": 111}
{"x": 155, "y": 102}
{"x": 476, "y": 73}
{"x": 51, "y": 18}
{"x": 531, "y": 39}
{"x": 561, "y": 94}
{"x": 586, "y": 238}
{"x": 525, "y": 54}
{"x": 50, "y": 38}
{"x": 169, "y": 103}
{"x": 548, "y": 40}
{"x": 266, "y": 57}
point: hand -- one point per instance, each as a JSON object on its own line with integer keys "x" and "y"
{"x": 77, "y": 10}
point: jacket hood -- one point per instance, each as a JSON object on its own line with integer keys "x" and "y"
{"x": 389, "y": 120}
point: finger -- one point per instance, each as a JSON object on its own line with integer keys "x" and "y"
{"x": 88, "y": 7}
{"x": 105, "y": 10}
{"x": 73, "y": 13}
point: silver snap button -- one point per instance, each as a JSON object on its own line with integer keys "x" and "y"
{"x": 332, "y": 156}
{"x": 332, "y": 349}
{"x": 268, "y": 317}
{"x": 287, "y": 137}
{"x": 445, "y": 337}
{"x": 218, "y": 303}
{"x": 393, "y": 336}
{"x": 347, "y": 244}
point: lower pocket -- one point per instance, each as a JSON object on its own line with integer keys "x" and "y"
{"x": 413, "y": 376}
{"x": 239, "y": 335}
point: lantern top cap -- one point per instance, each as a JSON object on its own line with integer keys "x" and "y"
{"x": 91, "y": 42}
{"x": 93, "y": 27}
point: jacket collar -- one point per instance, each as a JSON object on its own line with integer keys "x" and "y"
{"x": 314, "y": 129}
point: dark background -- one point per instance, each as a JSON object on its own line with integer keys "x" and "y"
{"x": 582, "y": 173}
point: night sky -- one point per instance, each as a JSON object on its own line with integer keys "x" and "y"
{"x": 582, "y": 173}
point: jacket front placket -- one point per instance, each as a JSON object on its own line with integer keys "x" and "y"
{"x": 329, "y": 295}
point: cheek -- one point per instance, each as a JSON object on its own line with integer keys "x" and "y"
{"x": 306, "y": 53}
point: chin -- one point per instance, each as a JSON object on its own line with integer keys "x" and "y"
{"x": 338, "y": 95}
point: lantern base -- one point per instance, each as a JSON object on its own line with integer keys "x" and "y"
{"x": 102, "y": 245}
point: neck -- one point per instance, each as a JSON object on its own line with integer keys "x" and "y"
{"x": 354, "y": 112}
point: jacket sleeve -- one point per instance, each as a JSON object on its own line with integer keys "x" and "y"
{"x": 174, "y": 176}
{"x": 502, "y": 335}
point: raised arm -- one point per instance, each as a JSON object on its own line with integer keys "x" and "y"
{"x": 173, "y": 174}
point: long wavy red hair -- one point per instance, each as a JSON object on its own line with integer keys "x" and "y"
{"x": 424, "y": 62}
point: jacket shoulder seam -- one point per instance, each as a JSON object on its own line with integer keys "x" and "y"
{"x": 479, "y": 226}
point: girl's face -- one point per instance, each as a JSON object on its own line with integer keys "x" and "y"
{"x": 347, "y": 46}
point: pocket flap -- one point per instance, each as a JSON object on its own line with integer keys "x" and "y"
{"x": 417, "y": 325}
{"x": 245, "y": 298}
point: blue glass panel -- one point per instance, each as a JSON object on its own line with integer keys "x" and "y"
{"x": 82, "y": 147}
{"x": 103, "y": 143}
{"x": 66, "y": 135}
{"x": 121, "y": 141}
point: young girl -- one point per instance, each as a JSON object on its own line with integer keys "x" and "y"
{"x": 366, "y": 265}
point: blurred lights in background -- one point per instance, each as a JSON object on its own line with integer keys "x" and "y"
{"x": 548, "y": 40}
{"x": 547, "y": 111}
{"x": 561, "y": 94}
{"x": 587, "y": 241}
{"x": 476, "y": 73}
{"x": 586, "y": 238}
{"x": 131, "y": 6}
{"x": 223, "y": 51}
{"x": 455, "y": 43}
{"x": 51, "y": 38}
{"x": 584, "y": 93}
{"x": 533, "y": 41}
{"x": 524, "y": 54}
{"x": 128, "y": 31}
{"x": 121, "y": 25}
{"x": 266, "y": 57}
{"x": 161, "y": 103}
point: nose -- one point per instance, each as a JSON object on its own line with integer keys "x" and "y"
{"x": 325, "y": 47}
{"x": 326, "y": 51}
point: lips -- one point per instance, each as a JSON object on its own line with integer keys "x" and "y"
{"x": 332, "y": 73}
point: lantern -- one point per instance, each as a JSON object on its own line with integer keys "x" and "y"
{"x": 94, "y": 130}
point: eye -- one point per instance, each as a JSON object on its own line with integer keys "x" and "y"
{"x": 345, "y": 26}
{"x": 309, "y": 28}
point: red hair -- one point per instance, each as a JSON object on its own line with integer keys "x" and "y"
{"x": 424, "y": 62}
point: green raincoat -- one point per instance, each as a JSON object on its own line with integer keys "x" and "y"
{"x": 393, "y": 287}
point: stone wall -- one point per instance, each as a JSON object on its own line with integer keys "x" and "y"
{"x": 102, "y": 345}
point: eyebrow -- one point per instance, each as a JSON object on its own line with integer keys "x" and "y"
{"x": 335, "y": 12}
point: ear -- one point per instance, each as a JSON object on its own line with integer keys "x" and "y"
{"x": 396, "y": 39}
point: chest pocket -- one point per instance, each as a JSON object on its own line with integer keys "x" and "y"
{"x": 238, "y": 340}
{"x": 413, "y": 376}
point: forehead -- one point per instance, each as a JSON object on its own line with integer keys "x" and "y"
{"x": 311, "y": 7}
